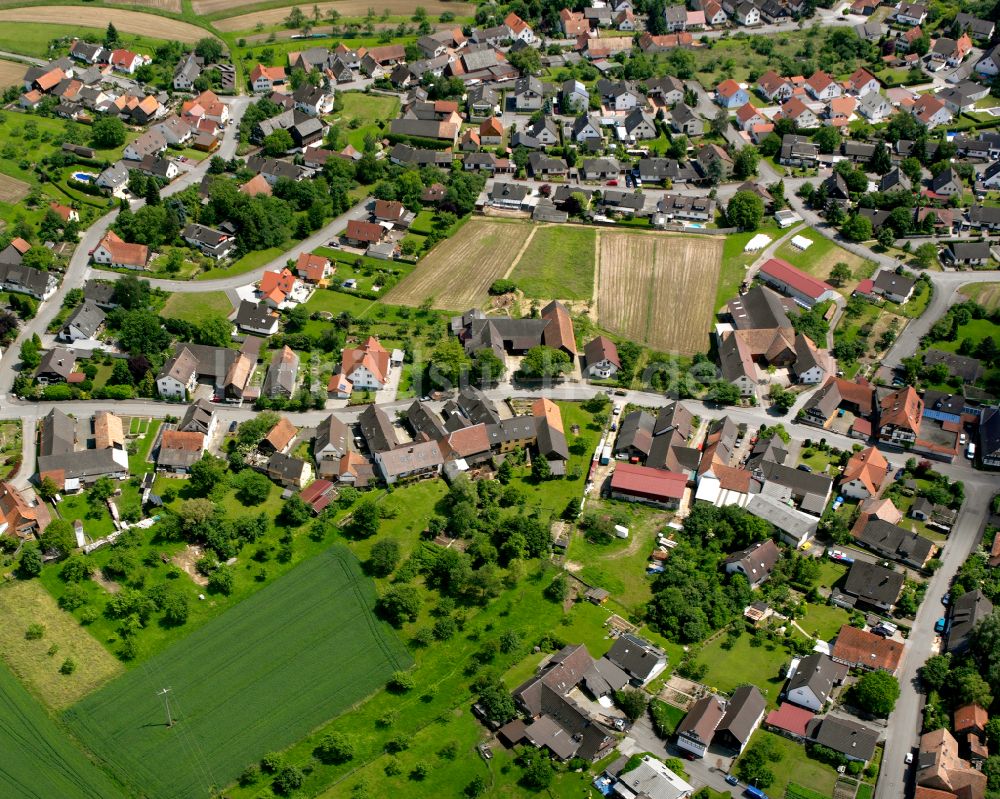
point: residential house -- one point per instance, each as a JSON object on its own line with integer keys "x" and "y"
{"x": 822, "y": 86}
{"x": 217, "y": 244}
{"x": 964, "y": 613}
{"x": 875, "y": 108}
{"x": 910, "y": 14}
{"x": 56, "y": 366}
{"x": 941, "y": 771}
{"x": 747, "y": 14}
{"x": 684, "y": 120}
{"x": 187, "y": 71}
{"x": 265, "y": 79}
{"x": 288, "y": 471}
{"x": 257, "y": 317}
{"x": 864, "y": 474}
{"x": 601, "y": 358}
{"x": 650, "y": 777}
{"x": 860, "y": 649}
{"x": 798, "y": 112}
{"x": 774, "y": 88}
{"x": 410, "y": 462}
{"x": 574, "y": 97}
{"x": 697, "y": 728}
{"x": 854, "y": 741}
{"x": 19, "y": 517}
{"x": 179, "y": 450}
{"x": 930, "y": 112}
{"x": 873, "y": 585}
{"x": 748, "y": 117}
{"x": 113, "y": 251}
{"x": 899, "y": 419}
{"x": 282, "y": 374}
{"x": 151, "y": 142}
{"x": 989, "y": 438}
{"x": 891, "y": 541}
{"x": 519, "y": 30}
{"x": 969, "y": 253}
{"x": 314, "y": 269}
{"x": 798, "y": 151}
{"x": 755, "y": 562}
{"x": 639, "y": 125}
{"x": 980, "y": 30}
{"x": 729, "y": 94}
{"x": 360, "y": 233}
{"x": 366, "y": 367}
{"x": 892, "y": 286}
{"x": 83, "y": 323}
{"x": 638, "y": 658}
{"x": 813, "y": 680}
{"x": 528, "y": 94}
{"x": 744, "y": 713}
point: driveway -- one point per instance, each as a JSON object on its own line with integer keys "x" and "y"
{"x": 709, "y": 771}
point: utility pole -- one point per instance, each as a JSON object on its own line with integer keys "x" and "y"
{"x": 166, "y": 705}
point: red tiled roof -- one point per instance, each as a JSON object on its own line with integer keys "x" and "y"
{"x": 795, "y": 278}
{"x": 180, "y": 440}
{"x": 861, "y": 648}
{"x": 790, "y": 718}
{"x": 359, "y": 230}
{"x": 727, "y": 88}
{"x": 633, "y": 479}
{"x": 283, "y": 280}
{"x": 548, "y": 410}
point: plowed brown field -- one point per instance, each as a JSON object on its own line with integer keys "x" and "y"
{"x": 97, "y": 17}
{"x": 658, "y": 289}
{"x": 458, "y": 272}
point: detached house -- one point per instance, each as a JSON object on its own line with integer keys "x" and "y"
{"x": 771, "y": 86}
{"x": 113, "y": 251}
{"x": 755, "y": 563}
{"x": 601, "y": 358}
{"x": 822, "y": 87}
{"x": 265, "y": 79}
{"x": 862, "y": 82}
{"x": 930, "y": 112}
{"x": 899, "y": 419}
{"x": 864, "y": 474}
{"x": 729, "y": 94}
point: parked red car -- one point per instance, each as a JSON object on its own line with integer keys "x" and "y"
{"x": 612, "y": 182}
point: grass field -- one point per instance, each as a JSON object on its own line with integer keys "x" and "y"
{"x": 197, "y": 308}
{"x": 299, "y": 652}
{"x": 795, "y": 766}
{"x": 347, "y": 8}
{"x": 986, "y": 294}
{"x": 558, "y": 264}
{"x": 456, "y": 274}
{"x": 39, "y": 761}
{"x": 658, "y": 289}
{"x": 975, "y": 329}
{"x": 819, "y": 259}
{"x": 249, "y": 262}
{"x": 729, "y": 669}
{"x": 735, "y": 262}
{"x": 11, "y": 72}
{"x": 127, "y": 21}
{"x": 366, "y": 111}
{"x": 826, "y": 620}
{"x": 12, "y": 190}
{"x": 25, "y": 603}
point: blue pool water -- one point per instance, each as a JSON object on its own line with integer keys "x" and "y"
{"x": 84, "y": 177}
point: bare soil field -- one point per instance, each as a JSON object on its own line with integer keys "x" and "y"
{"x": 23, "y": 603}
{"x": 986, "y": 294}
{"x": 457, "y": 273}
{"x": 128, "y": 21}
{"x": 11, "y": 72}
{"x": 658, "y": 289}
{"x": 347, "y": 8}
{"x": 12, "y": 190}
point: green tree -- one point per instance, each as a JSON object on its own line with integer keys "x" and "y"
{"x": 111, "y": 37}
{"x": 278, "y": 143}
{"x": 857, "y": 228}
{"x": 723, "y": 393}
{"x": 107, "y": 133}
{"x": 876, "y": 692}
{"x": 840, "y": 273}
{"x": 210, "y": 49}
{"x": 336, "y": 748}
{"x": 384, "y": 557}
{"x": 545, "y": 362}
{"x": 827, "y": 138}
{"x": 540, "y": 468}
{"x": 745, "y": 210}
{"x": 252, "y": 488}
{"x": 925, "y": 255}
{"x": 881, "y": 162}
{"x": 206, "y": 474}
{"x": 497, "y": 703}
{"x": 399, "y": 604}
{"x": 633, "y": 702}
{"x": 935, "y": 670}
{"x": 59, "y": 537}
{"x": 745, "y": 163}
{"x": 365, "y": 519}
{"x": 47, "y": 488}
{"x": 30, "y": 564}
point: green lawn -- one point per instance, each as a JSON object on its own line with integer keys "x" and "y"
{"x": 974, "y": 329}
{"x": 824, "y": 621}
{"x": 33, "y": 38}
{"x": 558, "y": 264}
{"x": 735, "y": 261}
{"x": 139, "y": 464}
{"x": 249, "y": 262}
{"x": 39, "y": 758}
{"x": 916, "y": 305}
{"x": 743, "y": 662}
{"x": 986, "y": 294}
{"x": 820, "y": 257}
{"x": 196, "y": 308}
{"x": 363, "y": 115}
{"x": 620, "y": 566}
{"x": 796, "y": 767}
{"x": 237, "y": 683}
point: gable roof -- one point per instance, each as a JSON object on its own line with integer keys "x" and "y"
{"x": 744, "y": 710}
{"x": 859, "y": 648}
{"x": 869, "y": 466}
{"x": 873, "y": 583}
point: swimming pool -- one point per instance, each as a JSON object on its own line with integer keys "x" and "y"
{"x": 84, "y": 177}
{"x": 693, "y": 224}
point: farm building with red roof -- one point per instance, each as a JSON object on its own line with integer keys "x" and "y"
{"x": 642, "y": 484}
{"x": 803, "y": 288}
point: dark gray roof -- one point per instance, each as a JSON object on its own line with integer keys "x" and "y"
{"x": 873, "y": 583}
{"x": 287, "y": 467}
{"x": 844, "y": 736}
{"x": 477, "y": 407}
{"x": 377, "y": 429}
{"x": 758, "y": 309}
{"x": 332, "y": 433}
{"x": 254, "y": 316}
{"x": 82, "y": 463}
{"x": 743, "y": 713}
{"x": 57, "y": 361}
{"x": 966, "y": 612}
{"x": 819, "y": 673}
{"x": 969, "y": 369}
{"x": 637, "y": 657}
{"x": 989, "y": 433}
{"x": 197, "y": 418}
{"x": 58, "y": 434}
{"x": 425, "y": 421}
{"x": 635, "y": 432}
{"x": 552, "y": 442}
{"x": 34, "y": 280}
{"x": 99, "y": 291}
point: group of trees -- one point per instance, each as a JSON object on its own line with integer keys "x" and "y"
{"x": 689, "y": 599}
